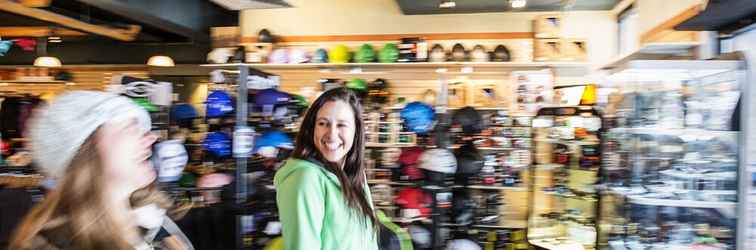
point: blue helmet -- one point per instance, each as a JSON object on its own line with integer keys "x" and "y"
{"x": 320, "y": 56}
{"x": 217, "y": 143}
{"x": 418, "y": 117}
{"x": 271, "y": 97}
{"x": 183, "y": 111}
{"x": 219, "y": 103}
{"x": 272, "y": 139}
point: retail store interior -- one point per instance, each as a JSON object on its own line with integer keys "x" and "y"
{"x": 489, "y": 124}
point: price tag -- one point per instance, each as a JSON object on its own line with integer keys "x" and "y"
{"x": 244, "y": 142}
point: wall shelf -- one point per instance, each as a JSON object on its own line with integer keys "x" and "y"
{"x": 514, "y": 65}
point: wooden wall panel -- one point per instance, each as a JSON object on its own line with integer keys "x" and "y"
{"x": 407, "y": 83}
{"x": 83, "y": 78}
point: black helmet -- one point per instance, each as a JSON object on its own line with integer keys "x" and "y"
{"x": 470, "y": 120}
{"x": 469, "y": 163}
{"x": 378, "y": 91}
{"x": 437, "y": 54}
{"x": 479, "y": 54}
{"x": 463, "y": 207}
{"x": 501, "y": 54}
{"x": 458, "y": 53}
{"x": 264, "y": 36}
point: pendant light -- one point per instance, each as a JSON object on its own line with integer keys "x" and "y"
{"x": 160, "y": 61}
{"x": 43, "y": 60}
{"x": 517, "y": 4}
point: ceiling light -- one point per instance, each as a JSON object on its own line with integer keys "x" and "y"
{"x": 447, "y": 4}
{"x": 47, "y": 61}
{"x": 518, "y": 3}
{"x": 160, "y": 61}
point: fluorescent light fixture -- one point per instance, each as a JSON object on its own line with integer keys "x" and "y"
{"x": 47, "y": 61}
{"x": 160, "y": 61}
{"x": 447, "y": 5}
{"x": 518, "y": 3}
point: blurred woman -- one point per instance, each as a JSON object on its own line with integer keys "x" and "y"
{"x": 322, "y": 194}
{"x": 97, "y": 147}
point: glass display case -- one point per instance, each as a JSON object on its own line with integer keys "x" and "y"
{"x": 669, "y": 179}
{"x": 567, "y": 159}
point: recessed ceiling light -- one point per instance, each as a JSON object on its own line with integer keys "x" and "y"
{"x": 518, "y": 3}
{"x": 447, "y": 4}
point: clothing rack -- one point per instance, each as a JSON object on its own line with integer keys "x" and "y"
{"x": 242, "y": 220}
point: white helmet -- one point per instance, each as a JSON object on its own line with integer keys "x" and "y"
{"x": 170, "y": 159}
{"x": 463, "y": 244}
{"x": 438, "y": 160}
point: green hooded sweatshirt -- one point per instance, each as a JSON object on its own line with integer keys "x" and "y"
{"x": 314, "y": 213}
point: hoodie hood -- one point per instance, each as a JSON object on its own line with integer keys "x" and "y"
{"x": 293, "y": 164}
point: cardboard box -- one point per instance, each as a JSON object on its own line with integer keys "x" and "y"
{"x": 547, "y": 50}
{"x": 574, "y": 49}
{"x": 224, "y": 37}
{"x": 547, "y": 26}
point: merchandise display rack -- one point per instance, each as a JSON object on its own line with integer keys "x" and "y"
{"x": 680, "y": 166}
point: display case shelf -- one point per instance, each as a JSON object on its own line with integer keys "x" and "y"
{"x": 514, "y": 65}
{"x": 509, "y": 225}
{"x": 672, "y": 131}
{"x": 634, "y": 199}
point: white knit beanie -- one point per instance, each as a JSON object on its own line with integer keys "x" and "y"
{"x": 58, "y": 130}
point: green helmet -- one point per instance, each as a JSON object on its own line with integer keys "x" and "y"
{"x": 389, "y": 53}
{"x": 301, "y": 101}
{"x": 339, "y": 54}
{"x": 357, "y": 84}
{"x": 365, "y": 54}
{"x": 146, "y": 104}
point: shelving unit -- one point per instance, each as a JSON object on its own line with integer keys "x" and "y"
{"x": 513, "y": 65}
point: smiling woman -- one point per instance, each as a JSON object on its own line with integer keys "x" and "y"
{"x": 96, "y": 146}
{"x": 322, "y": 195}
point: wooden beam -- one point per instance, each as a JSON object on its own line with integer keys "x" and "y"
{"x": 396, "y": 37}
{"x": 37, "y": 31}
{"x": 621, "y": 6}
{"x": 35, "y": 3}
{"x": 128, "y": 34}
{"x": 668, "y": 26}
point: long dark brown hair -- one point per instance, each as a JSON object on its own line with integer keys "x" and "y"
{"x": 74, "y": 215}
{"x": 352, "y": 176}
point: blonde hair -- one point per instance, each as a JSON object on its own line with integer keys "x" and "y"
{"x": 74, "y": 214}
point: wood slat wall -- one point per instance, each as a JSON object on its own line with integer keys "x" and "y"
{"x": 83, "y": 78}
{"x": 407, "y": 83}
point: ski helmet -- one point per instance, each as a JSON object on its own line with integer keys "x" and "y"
{"x": 218, "y": 104}
{"x": 437, "y": 54}
{"x": 389, "y": 53}
{"x": 268, "y": 143}
{"x": 438, "y": 160}
{"x": 470, "y": 120}
{"x": 501, "y": 54}
{"x": 218, "y": 143}
{"x": 298, "y": 55}
{"x": 469, "y": 163}
{"x": 170, "y": 159}
{"x": 479, "y": 54}
{"x": 459, "y": 54}
{"x": 264, "y": 36}
{"x": 279, "y": 55}
{"x": 378, "y": 91}
{"x": 320, "y": 56}
{"x": 365, "y": 54}
{"x": 418, "y": 117}
{"x": 339, "y": 54}
{"x": 408, "y": 160}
